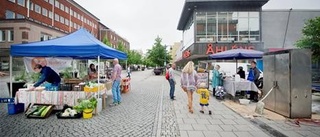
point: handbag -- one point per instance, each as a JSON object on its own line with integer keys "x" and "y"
{"x": 190, "y": 87}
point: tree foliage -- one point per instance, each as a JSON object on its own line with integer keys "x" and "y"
{"x": 106, "y": 41}
{"x": 158, "y": 54}
{"x": 311, "y": 37}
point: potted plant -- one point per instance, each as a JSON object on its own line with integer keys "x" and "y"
{"x": 66, "y": 73}
{"x": 86, "y": 107}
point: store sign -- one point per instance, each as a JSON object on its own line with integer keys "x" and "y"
{"x": 186, "y": 54}
{"x": 219, "y": 48}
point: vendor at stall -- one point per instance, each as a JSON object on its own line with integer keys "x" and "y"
{"x": 48, "y": 75}
{"x": 92, "y": 72}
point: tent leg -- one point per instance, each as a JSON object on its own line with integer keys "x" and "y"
{"x": 10, "y": 65}
{"x": 97, "y": 95}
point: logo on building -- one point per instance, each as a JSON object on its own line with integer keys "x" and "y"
{"x": 186, "y": 54}
{"x": 211, "y": 49}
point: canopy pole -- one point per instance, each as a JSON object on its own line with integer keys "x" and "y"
{"x": 10, "y": 65}
{"x": 98, "y": 77}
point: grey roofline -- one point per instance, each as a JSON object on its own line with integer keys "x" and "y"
{"x": 216, "y": 5}
{"x": 84, "y": 10}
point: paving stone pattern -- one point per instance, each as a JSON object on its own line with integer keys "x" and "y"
{"x": 137, "y": 115}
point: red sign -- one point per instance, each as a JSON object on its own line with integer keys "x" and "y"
{"x": 186, "y": 54}
{"x": 219, "y": 48}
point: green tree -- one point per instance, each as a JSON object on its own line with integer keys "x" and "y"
{"x": 121, "y": 47}
{"x": 311, "y": 37}
{"x": 158, "y": 54}
{"x": 106, "y": 41}
{"x": 134, "y": 57}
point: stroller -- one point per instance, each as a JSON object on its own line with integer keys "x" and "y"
{"x": 220, "y": 93}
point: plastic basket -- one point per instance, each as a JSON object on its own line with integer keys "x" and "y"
{"x": 87, "y": 113}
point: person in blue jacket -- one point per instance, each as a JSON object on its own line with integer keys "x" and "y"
{"x": 216, "y": 79}
{"x": 48, "y": 75}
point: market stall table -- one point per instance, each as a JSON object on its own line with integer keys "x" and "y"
{"x": 231, "y": 86}
{"x": 57, "y": 98}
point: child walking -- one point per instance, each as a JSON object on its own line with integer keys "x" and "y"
{"x": 204, "y": 97}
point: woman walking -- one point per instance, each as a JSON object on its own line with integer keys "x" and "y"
{"x": 189, "y": 80}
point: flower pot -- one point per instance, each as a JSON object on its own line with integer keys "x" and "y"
{"x": 87, "y": 113}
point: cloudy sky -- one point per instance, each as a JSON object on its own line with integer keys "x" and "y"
{"x": 141, "y": 21}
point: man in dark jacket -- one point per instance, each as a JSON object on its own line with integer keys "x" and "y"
{"x": 49, "y": 75}
{"x": 241, "y": 73}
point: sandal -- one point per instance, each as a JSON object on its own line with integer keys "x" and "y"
{"x": 191, "y": 111}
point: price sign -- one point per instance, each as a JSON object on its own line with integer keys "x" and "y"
{"x": 203, "y": 77}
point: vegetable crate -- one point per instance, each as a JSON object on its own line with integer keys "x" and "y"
{"x": 15, "y": 108}
{"x": 41, "y": 111}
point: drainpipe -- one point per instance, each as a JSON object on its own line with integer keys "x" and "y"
{"x": 285, "y": 34}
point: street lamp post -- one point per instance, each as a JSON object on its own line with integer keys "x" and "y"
{"x": 165, "y": 55}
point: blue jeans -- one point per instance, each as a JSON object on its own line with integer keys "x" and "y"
{"x": 116, "y": 91}
{"x": 172, "y": 88}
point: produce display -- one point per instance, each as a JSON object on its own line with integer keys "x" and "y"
{"x": 39, "y": 111}
{"x": 93, "y": 87}
{"x": 69, "y": 112}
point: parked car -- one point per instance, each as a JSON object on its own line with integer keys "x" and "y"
{"x": 159, "y": 71}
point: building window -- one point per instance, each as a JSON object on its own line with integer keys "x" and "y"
{"x": 50, "y": 14}
{"x": 67, "y": 9}
{"x": 57, "y": 4}
{"x": 56, "y": 17}
{"x": 10, "y": 35}
{"x": 51, "y": 2}
{"x": 71, "y": 23}
{"x": 71, "y": 12}
{"x": 31, "y": 5}
{"x": 21, "y": 2}
{"x": 19, "y": 16}
{"x": 75, "y": 14}
{"x": 12, "y": 1}
{"x": 66, "y": 22}
{"x": 25, "y": 35}
{"x": 44, "y": 12}
{"x": 10, "y": 14}
{"x": 61, "y": 7}
{"x": 62, "y": 19}
{"x": 74, "y": 25}
{"x": 2, "y": 35}
{"x": 78, "y": 16}
{"x": 227, "y": 26}
{"x": 37, "y": 8}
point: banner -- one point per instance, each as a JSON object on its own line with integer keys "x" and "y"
{"x": 57, "y": 64}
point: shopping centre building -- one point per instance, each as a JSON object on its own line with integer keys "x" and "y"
{"x": 211, "y": 26}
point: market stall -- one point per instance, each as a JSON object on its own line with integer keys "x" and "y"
{"x": 77, "y": 45}
{"x": 230, "y": 83}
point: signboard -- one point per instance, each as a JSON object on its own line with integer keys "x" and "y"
{"x": 203, "y": 77}
{"x": 57, "y": 64}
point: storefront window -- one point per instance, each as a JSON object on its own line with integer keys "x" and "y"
{"x": 201, "y": 26}
{"x": 227, "y": 26}
{"x": 188, "y": 35}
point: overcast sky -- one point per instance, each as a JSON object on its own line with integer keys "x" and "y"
{"x": 141, "y": 21}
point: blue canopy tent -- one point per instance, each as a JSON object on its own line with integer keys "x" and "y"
{"x": 78, "y": 45}
{"x": 236, "y": 54}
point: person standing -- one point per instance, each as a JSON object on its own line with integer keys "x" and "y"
{"x": 129, "y": 72}
{"x": 253, "y": 76}
{"x": 49, "y": 75}
{"x": 172, "y": 81}
{"x": 241, "y": 73}
{"x": 216, "y": 79}
{"x": 189, "y": 78}
{"x": 116, "y": 78}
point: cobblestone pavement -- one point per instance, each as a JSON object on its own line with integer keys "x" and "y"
{"x": 147, "y": 111}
